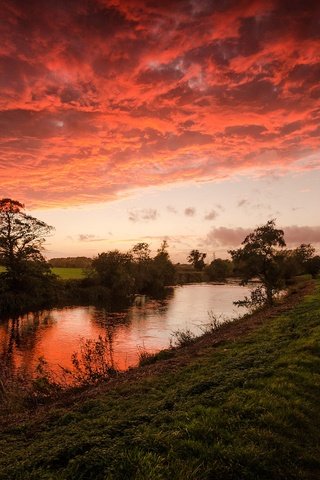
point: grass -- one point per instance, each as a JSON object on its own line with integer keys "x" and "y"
{"x": 64, "y": 273}
{"x": 247, "y": 409}
{"x": 69, "y": 273}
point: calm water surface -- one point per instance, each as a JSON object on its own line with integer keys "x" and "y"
{"x": 56, "y": 334}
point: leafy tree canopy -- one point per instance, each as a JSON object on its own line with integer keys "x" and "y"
{"x": 21, "y": 235}
{"x": 262, "y": 256}
{"x": 219, "y": 269}
{"x": 27, "y": 273}
{"x": 196, "y": 258}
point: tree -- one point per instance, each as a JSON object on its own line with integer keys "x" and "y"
{"x": 301, "y": 260}
{"x": 142, "y": 267}
{"x": 71, "y": 262}
{"x": 262, "y": 257}
{"x": 114, "y": 270}
{"x": 313, "y": 266}
{"x": 196, "y": 258}
{"x": 21, "y": 242}
{"x": 135, "y": 271}
{"x": 164, "y": 270}
{"x": 219, "y": 269}
{"x": 141, "y": 252}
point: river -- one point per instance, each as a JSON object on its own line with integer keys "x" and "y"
{"x": 55, "y": 334}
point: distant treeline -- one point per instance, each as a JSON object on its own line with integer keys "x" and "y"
{"x": 71, "y": 262}
{"x": 27, "y": 281}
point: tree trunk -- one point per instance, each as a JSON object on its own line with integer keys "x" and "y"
{"x": 269, "y": 296}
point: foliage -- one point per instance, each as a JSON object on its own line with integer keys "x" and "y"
{"x": 246, "y": 409}
{"x": 219, "y": 270}
{"x": 163, "y": 270}
{"x": 27, "y": 280}
{"x": 196, "y": 258}
{"x": 302, "y": 260}
{"x": 92, "y": 363}
{"x": 142, "y": 268}
{"x": 141, "y": 252}
{"x": 114, "y": 270}
{"x": 181, "y": 338}
{"x": 21, "y": 241}
{"x": 19, "y": 389}
{"x": 135, "y": 271}
{"x": 261, "y": 257}
{"x": 215, "y": 322}
{"x": 313, "y": 266}
{"x": 256, "y": 300}
{"x": 44, "y": 385}
{"x": 71, "y": 262}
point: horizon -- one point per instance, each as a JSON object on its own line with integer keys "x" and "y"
{"x": 131, "y": 121}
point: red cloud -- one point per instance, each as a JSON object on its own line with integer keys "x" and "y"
{"x": 102, "y": 96}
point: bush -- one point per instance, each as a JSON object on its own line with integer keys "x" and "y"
{"x": 181, "y": 338}
{"x": 92, "y": 363}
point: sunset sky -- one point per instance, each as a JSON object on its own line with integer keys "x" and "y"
{"x": 124, "y": 121}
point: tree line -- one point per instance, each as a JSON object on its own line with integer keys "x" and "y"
{"x": 27, "y": 279}
{"x": 262, "y": 256}
{"x": 70, "y": 262}
{"x": 135, "y": 271}
{"x": 298, "y": 261}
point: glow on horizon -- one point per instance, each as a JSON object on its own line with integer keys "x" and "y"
{"x": 187, "y": 216}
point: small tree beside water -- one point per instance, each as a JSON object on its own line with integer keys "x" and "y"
{"x": 262, "y": 256}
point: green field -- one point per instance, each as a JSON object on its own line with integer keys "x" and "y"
{"x": 64, "y": 273}
{"x": 243, "y": 409}
{"x": 69, "y": 273}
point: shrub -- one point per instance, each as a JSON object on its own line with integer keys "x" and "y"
{"x": 181, "y": 338}
{"x": 92, "y": 363}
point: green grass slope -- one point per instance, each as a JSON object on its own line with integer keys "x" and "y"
{"x": 247, "y": 409}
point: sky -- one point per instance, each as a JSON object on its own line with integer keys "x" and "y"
{"x": 194, "y": 121}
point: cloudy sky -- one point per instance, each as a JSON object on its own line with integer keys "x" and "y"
{"x": 136, "y": 120}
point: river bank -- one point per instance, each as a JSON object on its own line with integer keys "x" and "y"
{"x": 241, "y": 402}
{"x": 129, "y": 330}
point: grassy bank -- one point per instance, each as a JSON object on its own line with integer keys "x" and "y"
{"x": 225, "y": 408}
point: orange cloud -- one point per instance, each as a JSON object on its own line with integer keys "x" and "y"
{"x": 100, "y": 97}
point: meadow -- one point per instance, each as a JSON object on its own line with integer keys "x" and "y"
{"x": 69, "y": 273}
{"x": 246, "y": 407}
{"x": 64, "y": 273}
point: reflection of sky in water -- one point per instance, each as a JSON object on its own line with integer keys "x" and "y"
{"x": 55, "y": 335}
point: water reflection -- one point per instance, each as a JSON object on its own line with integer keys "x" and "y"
{"x": 19, "y": 337}
{"x": 56, "y": 334}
